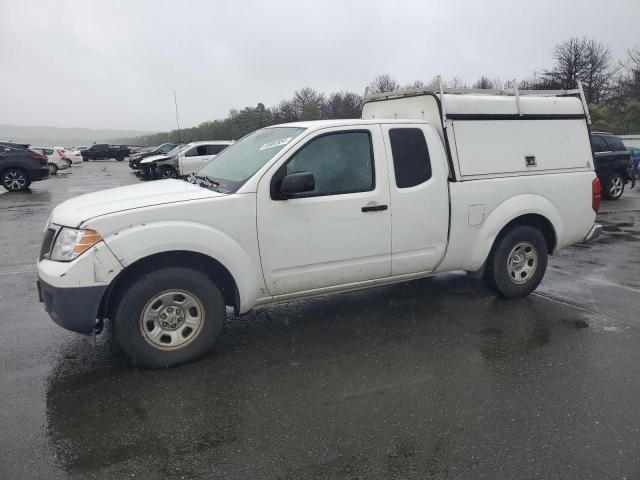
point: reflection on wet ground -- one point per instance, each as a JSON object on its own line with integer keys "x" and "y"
{"x": 429, "y": 379}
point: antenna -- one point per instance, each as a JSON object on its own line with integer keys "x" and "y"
{"x": 175, "y": 100}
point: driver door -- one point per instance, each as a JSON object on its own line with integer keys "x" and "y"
{"x": 337, "y": 234}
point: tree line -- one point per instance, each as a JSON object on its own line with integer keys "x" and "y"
{"x": 612, "y": 90}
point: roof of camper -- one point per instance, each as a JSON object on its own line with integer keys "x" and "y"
{"x": 479, "y": 104}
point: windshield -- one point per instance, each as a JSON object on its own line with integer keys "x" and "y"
{"x": 176, "y": 150}
{"x": 236, "y": 164}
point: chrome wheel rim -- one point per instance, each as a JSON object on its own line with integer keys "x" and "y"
{"x": 522, "y": 262}
{"x": 615, "y": 189}
{"x": 172, "y": 319}
{"x": 52, "y": 169}
{"x": 15, "y": 180}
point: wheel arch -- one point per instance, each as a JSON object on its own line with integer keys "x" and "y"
{"x": 528, "y": 209}
{"x": 211, "y": 267}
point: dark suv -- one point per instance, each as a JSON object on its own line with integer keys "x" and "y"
{"x": 20, "y": 166}
{"x": 613, "y": 164}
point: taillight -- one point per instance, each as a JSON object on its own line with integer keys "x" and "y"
{"x": 595, "y": 195}
{"x": 60, "y": 153}
{"x": 38, "y": 157}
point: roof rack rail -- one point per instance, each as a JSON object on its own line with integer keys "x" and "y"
{"x": 513, "y": 91}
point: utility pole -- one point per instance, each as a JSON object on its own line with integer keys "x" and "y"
{"x": 175, "y": 100}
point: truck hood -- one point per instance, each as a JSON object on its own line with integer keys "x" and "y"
{"x": 154, "y": 158}
{"x": 75, "y": 211}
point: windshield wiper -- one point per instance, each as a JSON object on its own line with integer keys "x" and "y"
{"x": 203, "y": 181}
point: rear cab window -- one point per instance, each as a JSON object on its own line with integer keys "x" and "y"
{"x": 411, "y": 162}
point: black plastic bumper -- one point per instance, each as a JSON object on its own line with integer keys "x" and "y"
{"x": 75, "y": 309}
{"x": 39, "y": 174}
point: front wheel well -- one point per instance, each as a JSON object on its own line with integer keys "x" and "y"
{"x": 198, "y": 261}
{"x": 537, "y": 221}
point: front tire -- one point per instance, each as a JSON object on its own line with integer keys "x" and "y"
{"x": 168, "y": 317}
{"x": 53, "y": 168}
{"x": 15, "y": 179}
{"x": 613, "y": 187}
{"x": 517, "y": 262}
{"x": 168, "y": 172}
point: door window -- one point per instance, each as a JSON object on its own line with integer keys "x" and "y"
{"x": 341, "y": 162}
{"x": 598, "y": 144}
{"x": 411, "y": 161}
{"x": 215, "y": 149}
{"x": 614, "y": 144}
{"x": 193, "y": 152}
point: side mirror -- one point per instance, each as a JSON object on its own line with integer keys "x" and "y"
{"x": 298, "y": 182}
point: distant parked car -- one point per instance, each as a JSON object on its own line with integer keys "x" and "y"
{"x": 635, "y": 158}
{"x": 182, "y": 161}
{"x": 21, "y": 166}
{"x": 103, "y": 151}
{"x": 613, "y": 164}
{"x": 79, "y": 148}
{"x": 135, "y": 158}
{"x": 54, "y": 161}
{"x": 69, "y": 156}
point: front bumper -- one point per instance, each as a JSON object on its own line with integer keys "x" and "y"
{"x": 73, "y": 308}
{"x": 594, "y": 233}
{"x": 148, "y": 171}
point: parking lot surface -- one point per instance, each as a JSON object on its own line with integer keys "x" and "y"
{"x": 435, "y": 378}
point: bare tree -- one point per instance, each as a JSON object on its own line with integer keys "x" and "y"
{"x": 308, "y": 103}
{"x": 456, "y": 82}
{"x": 383, "y": 83}
{"x": 581, "y": 59}
{"x": 484, "y": 83}
{"x": 415, "y": 84}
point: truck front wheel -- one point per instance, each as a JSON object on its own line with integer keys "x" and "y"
{"x": 168, "y": 317}
{"x": 517, "y": 262}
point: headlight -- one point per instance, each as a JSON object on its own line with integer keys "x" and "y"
{"x": 71, "y": 242}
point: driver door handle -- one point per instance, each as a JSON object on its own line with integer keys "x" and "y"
{"x": 374, "y": 208}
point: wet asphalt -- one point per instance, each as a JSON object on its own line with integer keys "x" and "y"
{"x": 431, "y": 379}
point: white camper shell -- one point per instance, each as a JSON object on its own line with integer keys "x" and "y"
{"x": 497, "y": 135}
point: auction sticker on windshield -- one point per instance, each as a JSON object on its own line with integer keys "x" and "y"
{"x": 276, "y": 143}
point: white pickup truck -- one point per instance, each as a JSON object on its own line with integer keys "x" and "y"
{"x": 424, "y": 183}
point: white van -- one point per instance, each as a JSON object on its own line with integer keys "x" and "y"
{"x": 424, "y": 183}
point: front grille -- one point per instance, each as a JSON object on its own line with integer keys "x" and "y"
{"x": 47, "y": 243}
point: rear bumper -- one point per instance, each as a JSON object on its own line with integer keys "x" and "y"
{"x": 594, "y": 233}
{"x": 73, "y": 308}
{"x": 39, "y": 174}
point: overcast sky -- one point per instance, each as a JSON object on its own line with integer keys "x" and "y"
{"x": 115, "y": 64}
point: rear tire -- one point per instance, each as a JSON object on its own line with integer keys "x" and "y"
{"x": 517, "y": 262}
{"x": 613, "y": 187}
{"x": 69, "y": 162}
{"x": 168, "y": 317}
{"x": 15, "y": 179}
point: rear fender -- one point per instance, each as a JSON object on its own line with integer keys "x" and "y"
{"x": 504, "y": 214}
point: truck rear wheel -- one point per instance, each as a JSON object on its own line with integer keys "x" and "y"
{"x": 168, "y": 317}
{"x": 517, "y": 262}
